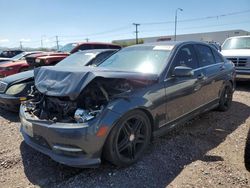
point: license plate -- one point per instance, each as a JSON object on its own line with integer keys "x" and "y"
{"x": 27, "y": 127}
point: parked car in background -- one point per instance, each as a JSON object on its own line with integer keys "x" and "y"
{"x": 237, "y": 50}
{"x": 16, "y": 64}
{"x": 76, "y": 116}
{"x": 9, "y": 53}
{"x": 14, "y": 89}
{"x": 53, "y": 58}
{"x": 216, "y": 45}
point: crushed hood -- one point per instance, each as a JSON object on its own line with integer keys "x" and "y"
{"x": 70, "y": 81}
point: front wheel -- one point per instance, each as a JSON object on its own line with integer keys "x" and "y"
{"x": 226, "y": 98}
{"x": 128, "y": 139}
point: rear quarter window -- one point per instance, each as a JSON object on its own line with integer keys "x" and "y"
{"x": 218, "y": 57}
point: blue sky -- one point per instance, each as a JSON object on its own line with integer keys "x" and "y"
{"x": 75, "y": 20}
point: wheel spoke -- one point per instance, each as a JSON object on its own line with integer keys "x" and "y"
{"x": 132, "y": 150}
{"x": 138, "y": 125}
{"x": 127, "y": 129}
{"x": 123, "y": 144}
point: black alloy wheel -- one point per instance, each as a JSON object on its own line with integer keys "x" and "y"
{"x": 128, "y": 139}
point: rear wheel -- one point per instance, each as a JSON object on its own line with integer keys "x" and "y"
{"x": 128, "y": 139}
{"x": 226, "y": 98}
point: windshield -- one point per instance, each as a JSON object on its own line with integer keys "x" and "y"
{"x": 237, "y": 43}
{"x": 18, "y": 56}
{"x": 145, "y": 59}
{"x": 77, "y": 59}
{"x": 68, "y": 47}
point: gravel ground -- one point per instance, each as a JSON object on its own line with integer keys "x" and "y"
{"x": 206, "y": 152}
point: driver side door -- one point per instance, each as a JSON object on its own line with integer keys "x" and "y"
{"x": 183, "y": 94}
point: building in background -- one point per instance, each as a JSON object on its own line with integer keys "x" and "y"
{"x": 217, "y": 36}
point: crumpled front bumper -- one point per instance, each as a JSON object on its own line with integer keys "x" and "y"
{"x": 72, "y": 144}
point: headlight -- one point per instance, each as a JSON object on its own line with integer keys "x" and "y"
{"x": 15, "y": 89}
{"x": 38, "y": 60}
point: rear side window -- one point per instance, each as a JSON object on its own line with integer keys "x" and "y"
{"x": 205, "y": 55}
{"x": 186, "y": 57}
{"x": 217, "y": 56}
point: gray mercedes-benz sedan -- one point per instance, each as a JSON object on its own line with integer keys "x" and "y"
{"x": 79, "y": 116}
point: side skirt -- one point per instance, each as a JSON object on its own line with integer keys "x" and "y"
{"x": 173, "y": 124}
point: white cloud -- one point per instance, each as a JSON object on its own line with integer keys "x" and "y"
{"x": 4, "y": 40}
{"x": 25, "y": 40}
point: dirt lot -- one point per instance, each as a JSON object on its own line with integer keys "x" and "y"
{"x": 206, "y": 152}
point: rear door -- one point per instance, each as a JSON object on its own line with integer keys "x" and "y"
{"x": 212, "y": 65}
{"x": 184, "y": 94}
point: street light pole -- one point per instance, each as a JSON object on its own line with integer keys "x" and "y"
{"x": 136, "y": 32}
{"x": 175, "y": 25}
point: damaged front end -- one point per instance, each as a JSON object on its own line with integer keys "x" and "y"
{"x": 78, "y": 97}
{"x": 88, "y": 105}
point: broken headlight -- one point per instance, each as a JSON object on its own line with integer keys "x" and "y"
{"x": 82, "y": 115}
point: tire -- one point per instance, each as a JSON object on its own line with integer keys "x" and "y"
{"x": 226, "y": 98}
{"x": 128, "y": 139}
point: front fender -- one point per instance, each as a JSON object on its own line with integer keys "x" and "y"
{"x": 123, "y": 105}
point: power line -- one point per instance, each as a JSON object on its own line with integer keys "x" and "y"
{"x": 199, "y": 27}
{"x": 198, "y": 19}
{"x": 99, "y": 33}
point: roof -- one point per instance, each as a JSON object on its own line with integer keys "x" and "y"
{"x": 169, "y": 43}
{"x": 245, "y": 36}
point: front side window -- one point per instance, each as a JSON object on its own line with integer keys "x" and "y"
{"x": 185, "y": 57}
{"x": 68, "y": 47}
{"x": 205, "y": 55}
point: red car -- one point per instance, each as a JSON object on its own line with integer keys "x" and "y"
{"x": 54, "y": 57}
{"x": 16, "y": 64}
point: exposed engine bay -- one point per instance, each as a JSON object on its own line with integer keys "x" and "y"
{"x": 88, "y": 105}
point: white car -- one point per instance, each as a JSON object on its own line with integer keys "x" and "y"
{"x": 237, "y": 50}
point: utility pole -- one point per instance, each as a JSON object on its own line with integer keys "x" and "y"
{"x": 41, "y": 42}
{"x": 136, "y": 32}
{"x": 175, "y": 22}
{"x": 57, "y": 43}
{"x": 87, "y": 39}
{"x": 42, "y": 37}
{"x": 21, "y": 45}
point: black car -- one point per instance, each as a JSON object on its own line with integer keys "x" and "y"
{"x": 14, "y": 89}
{"x": 76, "y": 116}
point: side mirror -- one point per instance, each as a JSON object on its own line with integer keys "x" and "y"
{"x": 182, "y": 71}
